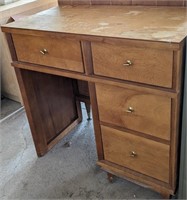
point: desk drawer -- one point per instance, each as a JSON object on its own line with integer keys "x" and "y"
{"x": 140, "y": 154}
{"x": 139, "y": 111}
{"x": 150, "y": 66}
{"x": 60, "y": 53}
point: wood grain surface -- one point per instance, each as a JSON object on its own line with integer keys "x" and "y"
{"x": 135, "y": 108}
{"x": 50, "y": 105}
{"x": 147, "y": 64}
{"x": 165, "y": 24}
{"x": 61, "y": 53}
{"x": 151, "y": 158}
{"x": 151, "y": 115}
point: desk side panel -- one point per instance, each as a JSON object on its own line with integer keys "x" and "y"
{"x": 50, "y": 105}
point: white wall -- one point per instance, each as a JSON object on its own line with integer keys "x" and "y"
{"x": 2, "y": 2}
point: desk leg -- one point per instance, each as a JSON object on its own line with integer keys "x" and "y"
{"x": 51, "y": 107}
{"x": 82, "y": 92}
{"x": 96, "y": 122}
{"x": 87, "y": 105}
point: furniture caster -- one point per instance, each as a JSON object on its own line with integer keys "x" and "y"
{"x": 110, "y": 177}
{"x": 67, "y": 144}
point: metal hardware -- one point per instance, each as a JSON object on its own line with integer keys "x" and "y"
{"x": 44, "y": 51}
{"x": 133, "y": 154}
{"x": 130, "y": 109}
{"x": 128, "y": 63}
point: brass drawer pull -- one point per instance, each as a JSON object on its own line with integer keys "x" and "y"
{"x": 130, "y": 109}
{"x": 128, "y": 63}
{"x": 133, "y": 154}
{"x": 44, "y": 51}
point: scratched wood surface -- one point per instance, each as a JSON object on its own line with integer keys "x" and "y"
{"x": 166, "y": 24}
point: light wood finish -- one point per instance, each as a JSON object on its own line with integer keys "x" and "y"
{"x": 146, "y": 65}
{"x": 87, "y": 57}
{"x": 151, "y": 114}
{"x": 137, "y": 23}
{"x": 154, "y": 124}
{"x": 96, "y": 79}
{"x": 30, "y": 49}
{"x": 137, "y": 153}
{"x": 109, "y": 40}
{"x": 138, "y": 178}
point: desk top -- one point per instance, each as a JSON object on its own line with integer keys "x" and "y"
{"x": 165, "y": 24}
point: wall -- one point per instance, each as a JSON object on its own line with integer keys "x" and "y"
{"x": 125, "y": 2}
{"x": 2, "y": 2}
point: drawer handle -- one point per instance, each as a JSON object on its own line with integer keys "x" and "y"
{"x": 133, "y": 154}
{"x": 128, "y": 63}
{"x": 130, "y": 109}
{"x": 44, "y": 51}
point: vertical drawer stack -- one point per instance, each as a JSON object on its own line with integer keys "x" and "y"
{"x": 136, "y": 111}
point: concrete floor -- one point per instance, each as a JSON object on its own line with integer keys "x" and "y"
{"x": 8, "y": 106}
{"x": 63, "y": 173}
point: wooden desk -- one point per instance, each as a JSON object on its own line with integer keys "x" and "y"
{"x": 132, "y": 59}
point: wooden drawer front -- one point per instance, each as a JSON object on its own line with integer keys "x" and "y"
{"x": 137, "y": 153}
{"x": 150, "y": 66}
{"x": 151, "y": 114}
{"x": 61, "y": 53}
